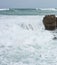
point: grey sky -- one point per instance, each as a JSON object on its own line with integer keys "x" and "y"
{"x": 28, "y": 3}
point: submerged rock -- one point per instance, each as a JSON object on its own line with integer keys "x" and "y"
{"x": 55, "y": 38}
{"x": 50, "y": 22}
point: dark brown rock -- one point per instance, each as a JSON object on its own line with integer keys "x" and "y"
{"x": 50, "y": 22}
{"x": 56, "y": 21}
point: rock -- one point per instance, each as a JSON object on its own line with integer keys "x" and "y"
{"x": 50, "y": 22}
{"x": 56, "y": 21}
{"x": 55, "y": 38}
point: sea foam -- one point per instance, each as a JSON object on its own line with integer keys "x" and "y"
{"x": 24, "y": 41}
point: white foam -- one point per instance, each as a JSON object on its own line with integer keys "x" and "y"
{"x": 4, "y": 9}
{"x": 22, "y": 45}
{"x": 52, "y": 9}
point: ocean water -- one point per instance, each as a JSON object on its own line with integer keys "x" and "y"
{"x": 36, "y": 11}
{"x": 24, "y": 40}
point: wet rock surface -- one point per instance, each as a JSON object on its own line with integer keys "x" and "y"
{"x": 50, "y": 22}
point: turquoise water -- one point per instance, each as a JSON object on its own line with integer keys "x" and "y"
{"x": 36, "y": 11}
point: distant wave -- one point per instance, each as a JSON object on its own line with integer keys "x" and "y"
{"x": 28, "y": 11}
{"x": 52, "y": 9}
{"x": 4, "y": 9}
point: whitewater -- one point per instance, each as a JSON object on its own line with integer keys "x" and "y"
{"x": 24, "y": 41}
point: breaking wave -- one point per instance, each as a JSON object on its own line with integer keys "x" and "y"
{"x": 4, "y": 9}
{"x": 49, "y": 9}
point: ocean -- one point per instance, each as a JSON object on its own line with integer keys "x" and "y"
{"x": 23, "y": 38}
{"x": 36, "y": 11}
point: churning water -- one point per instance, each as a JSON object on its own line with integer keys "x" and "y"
{"x": 24, "y": 40}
